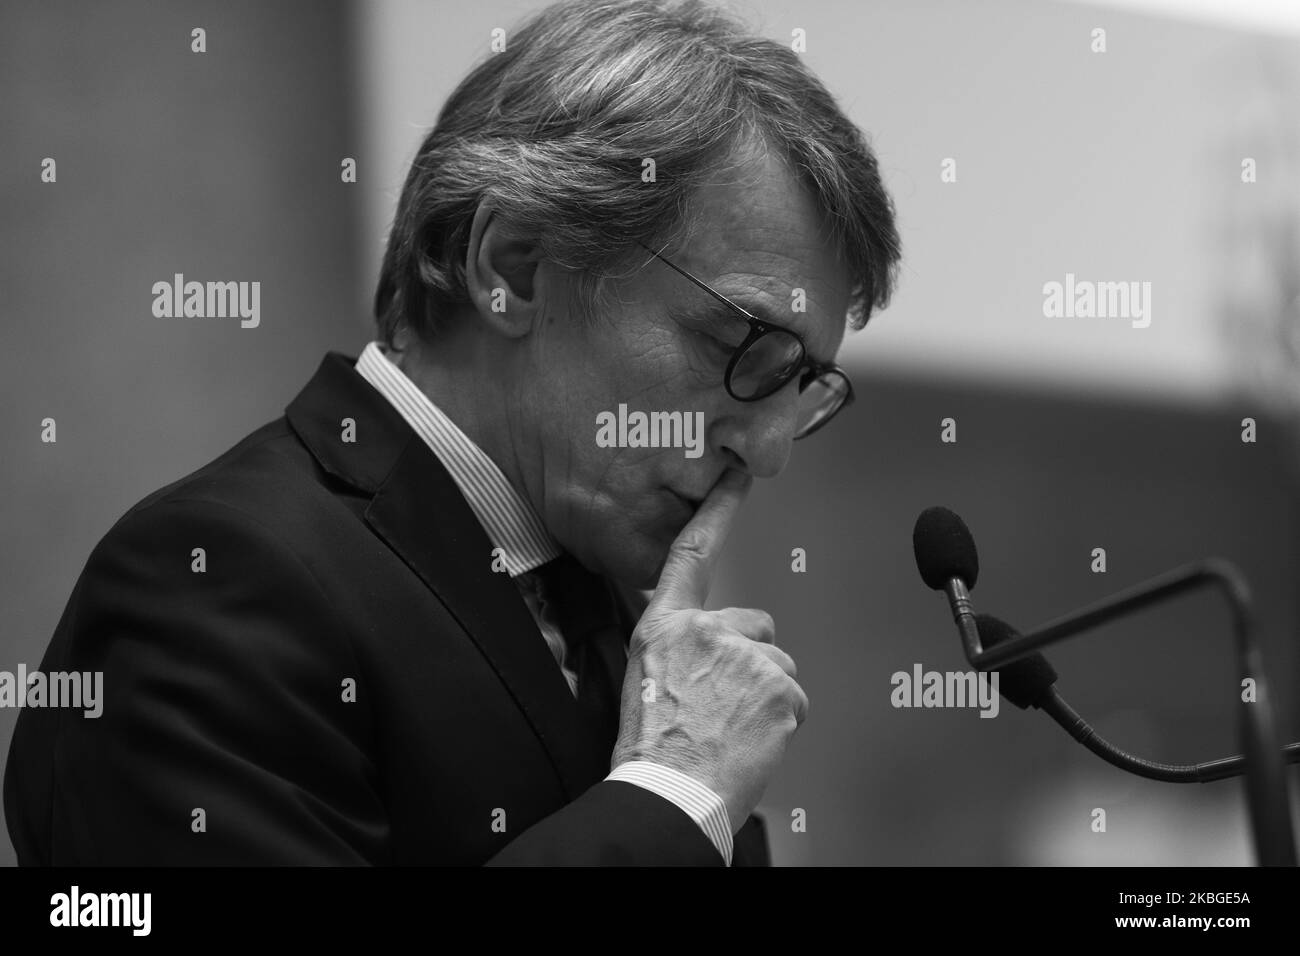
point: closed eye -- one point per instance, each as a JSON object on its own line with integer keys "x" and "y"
{"x": 709, "y": 330}
{"x": 715, "y": 344}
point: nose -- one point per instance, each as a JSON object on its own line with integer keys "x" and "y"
{"x": 757, "y": 436}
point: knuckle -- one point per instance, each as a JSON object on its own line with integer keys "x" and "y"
{"x": 779, "y": 658}
{"x": 771, "y": 671}
{"x": 785, "y": 690}
{"x": 800, "y": 705}
{"x": 728, "y": 645}
{"x": 701, "y": 623}
{"x": 639, "y": 640}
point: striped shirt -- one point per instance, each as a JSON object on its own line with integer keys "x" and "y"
{"x": 525, "y": 545}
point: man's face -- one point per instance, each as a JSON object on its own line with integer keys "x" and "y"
{"x": 618, "y": 509}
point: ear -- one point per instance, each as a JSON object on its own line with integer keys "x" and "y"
{"x": 501, "y": 276}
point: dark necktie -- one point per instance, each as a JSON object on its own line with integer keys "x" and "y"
{"x": 582, "y": 607}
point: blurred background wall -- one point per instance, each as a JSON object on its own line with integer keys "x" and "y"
{"x": 221, "y": 166}
{"x": 1072, "y": 434}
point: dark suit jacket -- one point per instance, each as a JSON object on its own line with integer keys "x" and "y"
{"x": 326, "y": 561}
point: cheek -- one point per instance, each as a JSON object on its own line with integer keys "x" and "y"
{"x": 609, "y": 480}
{"x": 616, "y": 490}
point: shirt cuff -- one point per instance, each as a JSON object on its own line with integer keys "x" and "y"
{"x": 697, "y": 801}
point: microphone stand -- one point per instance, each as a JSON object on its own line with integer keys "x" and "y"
{"x": 1266, "y": 785}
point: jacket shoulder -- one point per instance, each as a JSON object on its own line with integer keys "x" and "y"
{"x": 268, "y": 478}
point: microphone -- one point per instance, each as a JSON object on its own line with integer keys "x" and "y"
{"x": 1029, "y": 682}
{"x": 946, "y": 558}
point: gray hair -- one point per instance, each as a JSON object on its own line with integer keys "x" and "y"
{"x": 552, "y": 132}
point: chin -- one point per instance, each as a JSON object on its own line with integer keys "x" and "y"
{"x": 636, "y": 563}
{"x": 648, "y": 579}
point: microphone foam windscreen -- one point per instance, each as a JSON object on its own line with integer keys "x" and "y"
{"x": 944, "y": 549}
{"x": 1024, "y": 682}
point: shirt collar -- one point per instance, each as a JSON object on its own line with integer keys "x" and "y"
{"x": 510, "y": 522}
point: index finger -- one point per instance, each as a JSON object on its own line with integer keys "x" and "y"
{"x": 688, "y": 569}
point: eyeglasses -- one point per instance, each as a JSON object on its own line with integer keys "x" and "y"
{"x": 769, "y": 357}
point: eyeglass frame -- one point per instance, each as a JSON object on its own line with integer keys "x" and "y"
{"x": 757, "y": 329}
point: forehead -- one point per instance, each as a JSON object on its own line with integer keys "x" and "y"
{"x": 758, "y": 237}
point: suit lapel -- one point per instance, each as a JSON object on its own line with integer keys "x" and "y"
{"x": 445, "y": 545}
{"x": 419, "y": 512}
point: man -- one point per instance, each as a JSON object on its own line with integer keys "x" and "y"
{"x": 404, "y": 623}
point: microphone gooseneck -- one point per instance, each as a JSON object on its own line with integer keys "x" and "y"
{"x": 1078, "y": 728}
{"x": 1028, "y": 682}
{"x": 946, "y": 558}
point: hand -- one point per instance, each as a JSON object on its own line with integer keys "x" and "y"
{"x": 725, "y": 697}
